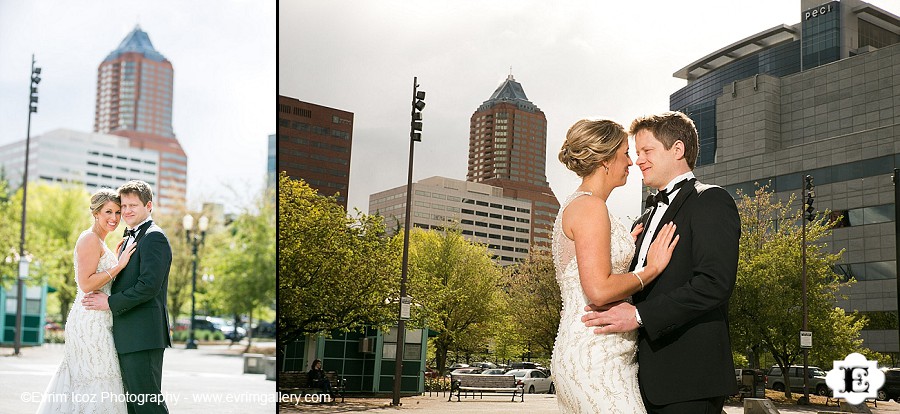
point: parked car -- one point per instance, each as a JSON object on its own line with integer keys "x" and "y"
{"x": 524, "y": 365}
{"x": 226, "y": 326}
{"x": 467, "y": 370}
{"x": 457, "y": 366}
{"x": 494, "y": 371}
{"x": 213, "y": 324}
{"x": 534, "y": 380}
{"x": 795, "y": 374}
{"x": 891, "y": 388}
{"x": 485, "y": 365}
{"x": 264, "y": 329}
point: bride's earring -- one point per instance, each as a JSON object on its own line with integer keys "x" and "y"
{"x": 607, "y": 169}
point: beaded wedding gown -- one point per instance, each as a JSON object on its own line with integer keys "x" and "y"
{"x": 89, "y": 379}
{"x": 592, "y": 373}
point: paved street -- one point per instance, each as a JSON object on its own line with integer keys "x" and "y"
{"x": 534, "y": 404}
{"x": 206, "y": 380}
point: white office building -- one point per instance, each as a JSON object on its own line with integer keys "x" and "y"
{"x": 479, "y": 210}
{"x": 83, "y": 158}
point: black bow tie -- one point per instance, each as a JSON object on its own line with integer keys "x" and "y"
{"x": 663, "y": 196}
{"x": 130, "y": 232}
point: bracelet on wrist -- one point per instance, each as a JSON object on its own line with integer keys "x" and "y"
{"x": 639, "y": 279}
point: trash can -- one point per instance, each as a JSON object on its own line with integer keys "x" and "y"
{"x": 753, "y": 383}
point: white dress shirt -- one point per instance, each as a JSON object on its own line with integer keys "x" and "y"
{"x": 130, "y": 239}
{"x": 658, "y": 213}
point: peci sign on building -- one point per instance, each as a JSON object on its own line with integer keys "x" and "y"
{"x": 817, "y": 11}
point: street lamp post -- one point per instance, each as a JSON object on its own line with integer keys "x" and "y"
{"x": 418, "y": 103}
{"x": 23, "y": 260}
{"x": 808, "y": 214}
{"x": 195, "y": 240}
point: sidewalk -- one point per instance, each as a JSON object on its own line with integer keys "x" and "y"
{"x": 205, "y": 380}
{"x": 500, "y": 404}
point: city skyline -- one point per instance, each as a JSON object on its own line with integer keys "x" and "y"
{"x": 575, "y": 60}
{"x": 224, "y": 78}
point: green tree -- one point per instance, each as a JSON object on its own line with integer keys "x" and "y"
{"x": 457, "y": 287}
{"x": 9, "y": 232}
{"x": 535, "y": 302}
{"x": 178, "y": 291}
{"x": 335, "y": 272}
{"x": 57, "y": 214}
{"x": 765, "y": 310}
{"x": 245, "y": 263}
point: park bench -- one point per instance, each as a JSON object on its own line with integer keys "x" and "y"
{"x": 295, "y": 382}
{"x": 840, "y": 402}
{"x": 480, "y": 384}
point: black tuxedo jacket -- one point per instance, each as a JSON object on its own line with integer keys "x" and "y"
{"x": 138, "y": 295}
{"x": 684, "y": 349}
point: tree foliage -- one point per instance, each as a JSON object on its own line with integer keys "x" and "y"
{"x": 766, "y": 307}
{"x": 456, "y": 286}
{"x": 56, "y": 216}
{"x": 335, "y": 272}
{"x": 244, "y": 263}
{"x": 9, "y": 232}
{"x": 535, "y": 302}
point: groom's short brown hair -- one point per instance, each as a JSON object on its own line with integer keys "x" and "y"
{"x": 669, "y": 127}
{"x": 139, "y": 188}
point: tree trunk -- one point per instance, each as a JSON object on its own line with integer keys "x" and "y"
{"x": 249, "y": 332}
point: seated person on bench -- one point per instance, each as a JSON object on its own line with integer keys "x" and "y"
{"x": 316, "y": 377}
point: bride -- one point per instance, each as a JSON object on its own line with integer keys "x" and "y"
{"x": 592, "y": 251}
{"x": 89, "y": 379}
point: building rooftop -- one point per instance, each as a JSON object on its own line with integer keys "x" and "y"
{"x": 137, "y": 42}
{"x": 737, "y": 50}
{"x": 509, "y": 91}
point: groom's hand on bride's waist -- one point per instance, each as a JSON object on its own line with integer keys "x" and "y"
{"x": 609, "y": 318}
{"x": 95, "y": 300}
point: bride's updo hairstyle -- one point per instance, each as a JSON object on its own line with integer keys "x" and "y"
{"x": 103, "y": 196}
{"x": 591, "y": 143}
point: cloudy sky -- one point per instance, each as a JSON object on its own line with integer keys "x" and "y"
{"x": 223, "y": 53}
{"x": 575, "y": 59}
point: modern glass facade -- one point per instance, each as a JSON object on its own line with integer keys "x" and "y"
{"x": 824, "y": 105}
{"x": 872, "y": 35}
{"x": 698, "y": 98}
{"x": 821, "y": 32}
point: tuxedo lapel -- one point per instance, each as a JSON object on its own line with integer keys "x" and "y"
{"x": 686, "y": 191}
{"x": 645, "y": 220}
{"x": 142, "y": 231}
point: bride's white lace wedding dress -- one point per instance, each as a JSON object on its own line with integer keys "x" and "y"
{"x": 593, "y": 373}
{"x": 89, "y": 379}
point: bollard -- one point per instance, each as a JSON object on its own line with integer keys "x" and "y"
{"x": 253, "y": 364}
{"x": 759, "y": 406}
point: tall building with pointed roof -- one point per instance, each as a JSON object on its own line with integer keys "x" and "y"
{"x": 508, "y": 148}
{"x": 134, "y": 100}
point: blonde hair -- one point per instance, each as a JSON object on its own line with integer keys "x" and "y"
{"x": 103, "y": 196}
{"x": 591, "y": 143}
{"x": 669, "y": 127}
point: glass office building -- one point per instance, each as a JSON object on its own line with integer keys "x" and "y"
{"x": 820, "y": 97}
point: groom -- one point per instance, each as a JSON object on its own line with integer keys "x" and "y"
{"x": 684, "y": 350}
{"x": 138, "y": 302}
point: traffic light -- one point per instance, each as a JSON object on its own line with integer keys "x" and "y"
{"x": 418, "y": 104}
{"x": 809, "y": 211}
{"x": 35, "y": 80}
